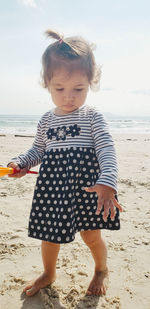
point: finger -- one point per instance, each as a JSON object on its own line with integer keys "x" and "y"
{"x": 99, "y": 206}
{"x": 112, "y": 210}
{"x": 117, "y": 205}
{"x": 91, "y": 189}
{"x": 106, "y": 210}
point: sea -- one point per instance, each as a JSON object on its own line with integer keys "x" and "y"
{"x": 27, "y": 124}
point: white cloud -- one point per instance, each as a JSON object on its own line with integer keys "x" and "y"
{"x": 30, "y": 3}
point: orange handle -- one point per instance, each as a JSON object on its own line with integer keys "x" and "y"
{"x": 10, "y": 171}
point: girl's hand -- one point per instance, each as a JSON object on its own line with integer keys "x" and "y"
{"x": 20, "y": 171}
{"x": 106, "y": 198}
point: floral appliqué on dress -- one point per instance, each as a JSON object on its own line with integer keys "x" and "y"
{"x": 60, "y": 133}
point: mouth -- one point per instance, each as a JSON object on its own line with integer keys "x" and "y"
{"x": 68, "y": 105}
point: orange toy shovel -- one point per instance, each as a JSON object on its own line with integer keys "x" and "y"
{"x": 9, "y": 171}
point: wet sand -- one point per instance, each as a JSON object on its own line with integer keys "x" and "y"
{"x": 128, "y": 249}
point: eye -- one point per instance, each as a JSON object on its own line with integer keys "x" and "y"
{"x": 59, "y": 89}
{"x": 79, "y": 89}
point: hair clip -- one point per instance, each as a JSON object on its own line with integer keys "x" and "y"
{"x": 60, "y": 41}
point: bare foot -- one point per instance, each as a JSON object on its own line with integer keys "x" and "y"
{"x": 41, "y": 282}
{"x": 98, "y": 284}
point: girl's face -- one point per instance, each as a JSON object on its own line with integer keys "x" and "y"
{"x": 68, "y": 91}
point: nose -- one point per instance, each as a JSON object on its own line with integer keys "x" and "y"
{"x": 68, "y": 96}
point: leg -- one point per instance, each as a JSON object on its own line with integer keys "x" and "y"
{"x": 49, "y": 256}
{"x": 99, "y": 252}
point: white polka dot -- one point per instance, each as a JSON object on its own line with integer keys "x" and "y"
{"x": 68, "y": 224}
{"x": 44, "y": 175}
{"x": 42, "y": 188}
{"x": 38, "y": 194}
{"x": 41, "y": 201}
{"x": 33, "y": 214}
{"x": 47, "y": 182}
{"x": 64, "y": 217}
{"x": 67, "y": 238}
{"x": 47, "y": 215}
{"x": 37, "y": 207}
{"x": 44, "y": 208}
{"x": 40, "y": 235}
{"x": 88, "y": 183}
{"x": 59, "y": 238}
{"x": 60, "y": 223}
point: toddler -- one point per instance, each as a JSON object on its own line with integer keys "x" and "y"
{"x": 76, "y": 187}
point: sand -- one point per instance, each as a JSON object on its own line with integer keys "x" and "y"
{"x": 128, "y": 249}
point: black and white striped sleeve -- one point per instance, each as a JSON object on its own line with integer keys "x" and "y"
{"x": 35, "y": 154}
{"x": 105, "y": 151}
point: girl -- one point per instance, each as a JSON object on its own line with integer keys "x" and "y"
{"x": 76, "y": 186}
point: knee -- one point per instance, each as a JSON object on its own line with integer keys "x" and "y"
{"x": 91, "y": 238}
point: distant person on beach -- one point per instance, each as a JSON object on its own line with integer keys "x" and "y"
{"x": 77, "y": 183}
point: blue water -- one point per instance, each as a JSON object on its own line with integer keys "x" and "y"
{"x": 26, "y": 124}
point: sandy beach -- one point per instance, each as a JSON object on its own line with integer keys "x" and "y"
{"x": 128, "y": 249}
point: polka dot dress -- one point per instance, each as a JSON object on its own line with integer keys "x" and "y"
{"x": 61, "y": 207}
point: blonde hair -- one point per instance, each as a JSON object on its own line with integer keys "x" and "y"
{"x": 72, "y": 53}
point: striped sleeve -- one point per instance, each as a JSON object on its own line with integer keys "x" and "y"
{"x": 35, "y": 154}
{"x": 105, "y": 151}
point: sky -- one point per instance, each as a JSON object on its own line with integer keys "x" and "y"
{"x": 120, "y": 30}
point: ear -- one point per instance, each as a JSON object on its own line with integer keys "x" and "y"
{"x": 49, "y": 88}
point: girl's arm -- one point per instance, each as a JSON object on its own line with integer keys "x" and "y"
{"x": 105, "y": 151}
{"x": 106, "y": 184}
{"x": 35, "y": 154}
